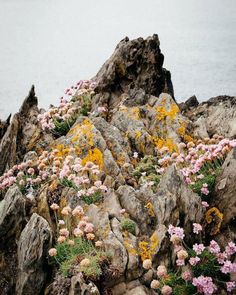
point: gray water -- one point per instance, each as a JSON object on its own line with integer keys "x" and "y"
{"x": 53, "y": 44}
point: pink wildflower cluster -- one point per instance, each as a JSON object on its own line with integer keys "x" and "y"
{"x": 50, "y": 167}
{"x": 66, "y": 108}
{"x": 192, "y": 157}
{"x": 204, "y": 285}
{"x": 67, "y": 233}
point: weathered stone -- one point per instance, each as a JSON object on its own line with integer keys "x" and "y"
{"x": 224, "y": 198}
{"x": 79, "y": 287}
{"x": 4, "y": 125}
{"x": 99, "y": 217}
{"x": 135, "y": 64}
{"x": 12, "y": 212}
{"x": 33, "y": 246}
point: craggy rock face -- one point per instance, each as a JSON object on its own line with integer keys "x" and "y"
{"x": 136, "y": 65}
{"x": 141, "y": 118}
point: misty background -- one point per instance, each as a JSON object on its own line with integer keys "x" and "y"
{"x": 53, "y": 44}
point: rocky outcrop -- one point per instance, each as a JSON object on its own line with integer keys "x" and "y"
{"x": 33, "y": 246}
{"x": 142, "y": 117}
{"x": 217, "y": 115}
{"x": 136, "y": 65}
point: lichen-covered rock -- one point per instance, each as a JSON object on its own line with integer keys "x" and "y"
{"x": 80, "y": 287}
{"x": 218, "y": 114}
{"x": 33, "y": 246}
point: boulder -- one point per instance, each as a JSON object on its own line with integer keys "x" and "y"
{"x": 33, "y": 246}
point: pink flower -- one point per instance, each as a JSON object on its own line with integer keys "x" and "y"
{"x": 214, "y": 247}
{"x": 101, "y": 109}
{"x": 197, "y": 228}
{"x": 230, "y": 286}
{"x": 52, "y": 252}
{"x": 221, "y": 257}
{"x": 194, "y": 260}
{"x": 205, "y": 204}
{"x": 166, "y": 290}
{"x": 178, "y": 231}
{"x": 89, "y": 228}
{"x": 122, "y": 211}
{"x": 78, "y": 232}
{"x": 180, "y": 262}
{"x": 204, "y": 285}
{"x": 54, "y": 207}
{"x": 135, "y": 155}
{"x": 186, "y": 275}
{"x": 64, "y": 232}
{"x": 228, "y": 267}
{"x": 204, "y": 189}
{"x": 161, "y": 271}
{"x": 230, "y": 249}
{"x": 198, "y": 248}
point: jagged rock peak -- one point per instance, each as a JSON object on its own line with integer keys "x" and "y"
{"x": 134, "y": 65}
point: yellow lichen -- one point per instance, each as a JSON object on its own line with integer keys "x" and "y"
{"x": 150, "y": 208}
{"x": 95, "y": 156}
{"x": 214, "y": 215}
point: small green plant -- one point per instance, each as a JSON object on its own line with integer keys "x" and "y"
{"x": 62, "y": 127}
{"x": 209, "y": 266}
{"x": 128, "y": 225}
{"x": 210, "y": 181}
{"x": 92, "y": 199}
{"x": 69, "y": 256}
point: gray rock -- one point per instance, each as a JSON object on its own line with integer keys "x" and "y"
{"x": 79, "y": 287}
{"x": 12, "y": 212}
{"x": 224, "y": 198}
{"x": 33, "y": 246}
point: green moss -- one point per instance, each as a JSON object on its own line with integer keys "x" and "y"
{"x": 128, "y": 225}
{"x": 210, "y": 181}
{"x": 92, "y": 199}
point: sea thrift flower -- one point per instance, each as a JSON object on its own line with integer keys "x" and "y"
{"x": 204, "y": 189}
{"x": 230, "y": 249}
{"x": 214, "y": 247}
{"x": 175, "y": 239}
{"x": 228, "y": 267}
{"x": 180, "y": 262}
{"x": 61, "y": 239}
{"x": 78, "y": 211}
{"x": 194, "y": 260}
{"x": 198, "y": 248}
{"x": 186, "y": 275}
{"x": 166, "y": 290}
{"x": 178, "y": 231}
{"x": 70, "y": 242}
{"x": 147, "y": 264}
{"x": 89, "y": 228}
{"x": 54, "y": 207}
{"x": 66, "y": 211}
{"x": 161, "y": 271}
{"x": 155, "y": 284}
{"x": 61, "y": 222}
{"x": 85, "y": 262}
{"x": 99, "y": 244}
{"x": 182, "y": 254}
{"x": 230, "y": 286}
{"x": 204, "y": 285}
{"x": 78, "y": 232}
{"x": 90, "y": 236}
{"x": 205, "y": 204}
{"x": 52, "y": 252}
{"x": 122, "y": 211}
{"x": 64, "y": 232}
{"x": 197, "y": 228}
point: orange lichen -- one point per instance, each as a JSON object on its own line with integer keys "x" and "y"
{"x": 144, "y": 250}
{"x": 95, "y": 156}
{"x": 163, "y": 113}
{"x": 63, "y": 150}
{"x": 165, "y": 142}
{"x": 150, "y": 208}
{"x": 214, "y": 215}
{"x": 138, "y": 134}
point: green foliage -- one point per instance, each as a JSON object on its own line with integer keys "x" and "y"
{"x": 68, "y": 257}
{"x": 92, "y": 199}
{"x": 179, "y": 286}
{"x": 85, "y": 101}
{"x": 210, "y": 180}
{"x": 128, "y": 225}
{"x": 62, "y": 127}
{"x": 209, "y": 265}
